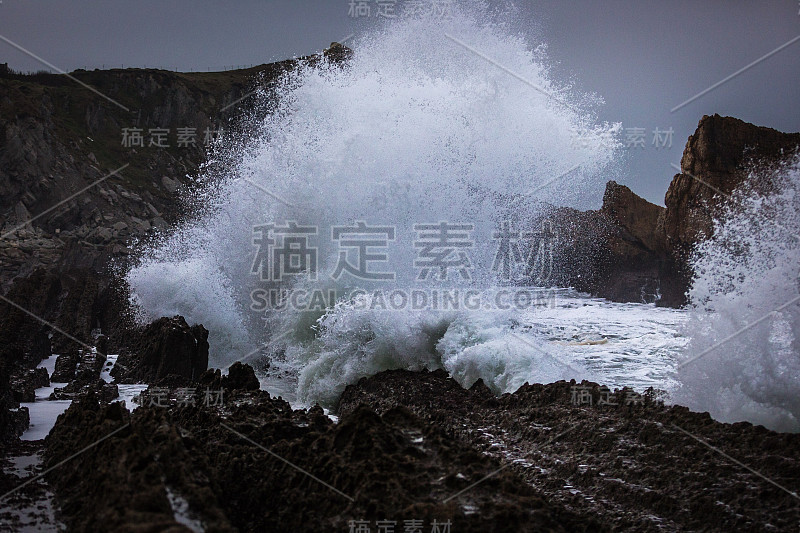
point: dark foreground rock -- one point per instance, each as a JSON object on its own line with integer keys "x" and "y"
{"x": 240, "y": 376}
{"x": 254, "y": 464}
{"x": 417, "y": 446}
{"x": 25, "y": 381}
{"x": 636, "y": 467}
{"x": 13, "y": 418}
{"x": 164, "y": 348}
{"x": 65, "y": 368}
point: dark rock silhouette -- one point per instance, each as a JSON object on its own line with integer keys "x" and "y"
{"x": 66, "y": 365}
{"x": 240, "y": 376}
{"x": 166, "y": 347}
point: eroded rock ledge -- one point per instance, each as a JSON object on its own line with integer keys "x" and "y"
{"x": 416, "y": 445}
{"x": 635, "y": 467}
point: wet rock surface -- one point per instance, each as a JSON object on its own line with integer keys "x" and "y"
{"x": 254, "y": 464}
{"x": 25, "y": 381}
{"x": 636, "y": 467}
{"x": 28, "y": 501}
{"x": 65, "y": 367}
{"x": 222, "y": 455}
{"x": 416, "y": 446}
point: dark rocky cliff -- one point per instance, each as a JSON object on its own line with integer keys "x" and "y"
{"x": 716, "y": 161}
{"x": 632, "y": 250}
{"x": 64, "y": 214}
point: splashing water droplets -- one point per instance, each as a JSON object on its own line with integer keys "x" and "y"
{"x": 414, "y": 128}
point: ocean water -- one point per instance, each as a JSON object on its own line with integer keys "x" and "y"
{"x": 457, "y": 121}
{"x": 743, "y": 359}
{"x": 573, "y": 337}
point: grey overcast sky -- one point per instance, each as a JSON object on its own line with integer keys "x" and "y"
{"x": 643, "y": 57}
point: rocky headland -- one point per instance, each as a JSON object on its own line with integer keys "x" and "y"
{"x": 631, "y": 250}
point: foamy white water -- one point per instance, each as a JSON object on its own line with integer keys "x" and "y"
{"x": 414, "y": 129}
{"x": 743, "y": 362}
{"x": 620, "y": 345}
{"x": 44, "y": 412}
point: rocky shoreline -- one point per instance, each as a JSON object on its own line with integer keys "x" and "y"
{"x": 220, "y": 455}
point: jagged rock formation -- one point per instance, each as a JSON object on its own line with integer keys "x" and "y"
{"x": 416, "y": 445}
{"x": 631, "y": 465}
{"x": 615, "y": 252}
{"x": 632, "y": 250}
{"x": 222, "y": 468}
{"x": 716, "y": 161}
{"x": 240, "y": 376}
{"x": 13, "y": 418}
{"x": 65, "y": 367}
{"x": 166, "y": 348}
{"x": 66, "y": 219}
{"x": 25, "y": 381}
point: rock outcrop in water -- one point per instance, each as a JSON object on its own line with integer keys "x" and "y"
{"x": 717, "y": 161}
{"x": 615, "y": 252}
{"x": 166, "y": 348}
{"x": 634, "y": 251}
{"x": 240, "y": 376}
